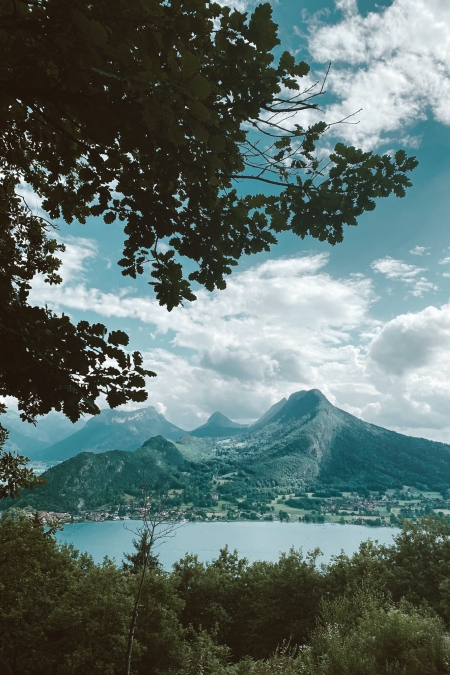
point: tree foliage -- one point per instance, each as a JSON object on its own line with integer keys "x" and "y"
{"x": 46, "y": 361}
{"x": 14, "y": 473}
{"x": 149, "y": 114}
{"x": 61, "y": 613}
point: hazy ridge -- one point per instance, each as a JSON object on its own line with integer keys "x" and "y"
{"x": 303, "y": 442}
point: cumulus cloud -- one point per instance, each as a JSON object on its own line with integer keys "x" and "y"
{"x": 281, "y": 326}
{"x": 160, "y": 407}
{"x": 412, "y": 341}
{"x": 274, "y": 329}
{"x": 394, "y": 62}
{"x": 420, "y": 250}
{"x": 409, "y": 363}
{"x": 399, "y": 270}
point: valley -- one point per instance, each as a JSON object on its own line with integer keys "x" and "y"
{"x": 372, "y": 509}
{"x": 303, "y": 460}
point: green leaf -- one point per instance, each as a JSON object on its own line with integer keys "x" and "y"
{"x": 200, "y": 86}
{"x": 109, "y": 217}
{"x": 118, "y": 337}
{"x": 217, "y": 143}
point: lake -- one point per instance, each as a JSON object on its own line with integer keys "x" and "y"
{"x": 255, "y": 541}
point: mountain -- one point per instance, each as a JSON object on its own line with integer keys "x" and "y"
{"x": 89, "y": 480}
{"x": 269, "y": 414}
{"x": 311, "y": 441}
{"x": 304, "y": 444}
{"x": 218, "y": 426}
{"x": 112, "y": 430}
{"x": 27, "y": 439}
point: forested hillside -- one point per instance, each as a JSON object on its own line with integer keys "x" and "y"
{"x": 383, "y": 611}
{"x": 306, "y": 446}
{"x": 301, "y": 444}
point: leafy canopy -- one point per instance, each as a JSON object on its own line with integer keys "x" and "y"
{"x": 148, "y": 113}
{"x": 14, "y": 474}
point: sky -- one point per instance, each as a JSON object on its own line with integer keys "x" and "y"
{"x": 367, "y": 321}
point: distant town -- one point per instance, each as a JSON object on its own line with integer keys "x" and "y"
{"x": 373, "y": 509}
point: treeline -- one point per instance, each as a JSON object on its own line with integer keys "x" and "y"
{"x": 383, "y": 610}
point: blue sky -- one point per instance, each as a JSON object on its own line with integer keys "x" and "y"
{"x": 367, "y": 321}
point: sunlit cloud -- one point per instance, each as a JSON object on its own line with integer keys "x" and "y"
{"x": 399, "y": 270}
{"x": 393, "y": 62}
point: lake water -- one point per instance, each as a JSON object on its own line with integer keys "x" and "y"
{"x": 254, "y": 541}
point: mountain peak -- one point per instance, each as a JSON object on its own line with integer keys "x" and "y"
{"x": 114, "y": 429}
{"x": 309, "y": 394}
{"x": 217, "y": 419}
{"x": 113, "y": 416}
{"x": 302, "y": 403}
{"x": 218, "y": 426}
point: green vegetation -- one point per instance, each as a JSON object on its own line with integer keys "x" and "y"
{"x": 110, "y": 485}
{"x": 149, "y": 114}
{"x": 384, "y": 610}
{"x": 139, "y": 112}
{"x": 155, "y": 143}
{"x": 310, "y": 461}
{"x": 14, "y": 473}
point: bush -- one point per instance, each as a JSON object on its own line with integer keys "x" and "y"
{"x": 363, "y": 635}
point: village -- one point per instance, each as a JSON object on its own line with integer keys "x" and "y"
{"x": 373, "y": 509}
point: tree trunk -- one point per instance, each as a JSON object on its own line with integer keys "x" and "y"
{"x": 136, "y": 608}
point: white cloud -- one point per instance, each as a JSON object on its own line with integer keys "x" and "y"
{"x": 420, "y": 250}
{"x": 395, "y": 63}
{"x": 406, "y": 273}
{"x": 271, "y": 332}
{"x": 412, "y": 341}
{"x": 31, "y": 199}
{"x": 444, "y": 261}
{"x": 396, "y": 269}
{"x": 279, "y": 327}
{"x": 409, "y": 363}
{"x": 240, "y": 5}
{"x": 160, "y": 407}
{"x": 78, "y": 251}
{"x": 348, "y": 7}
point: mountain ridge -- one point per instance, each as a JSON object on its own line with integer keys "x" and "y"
{"x": 307, "y": 442}
{"x": 112, "y": 430}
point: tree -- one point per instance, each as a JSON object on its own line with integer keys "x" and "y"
{"x": 364, "y": 633}
{"x": 159, "y": 521}
{"x": 140, "y": 112}
{"x": 133, "y": 562}
{"x": 14, "y": 473}
{"x": 55, "y": 605}
{"x": 152, "y": 114}
{"x": 46, "y": 361}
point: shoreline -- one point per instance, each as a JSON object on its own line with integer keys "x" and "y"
{"x": 206, "y": 540}
{"x": 240, "y": 522}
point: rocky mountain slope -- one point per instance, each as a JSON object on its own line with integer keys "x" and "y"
{"x": 309, "y": 439}
{"x": 112, "y": 430}
{"x": 305, "y": 443}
